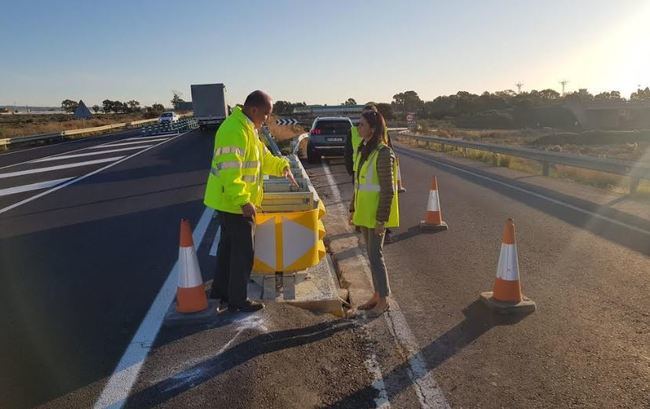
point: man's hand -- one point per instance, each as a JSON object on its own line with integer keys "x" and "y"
{"x": 289, "y": 176}
{"x": 380, "y": 229}
{"x": 248, "y": 210}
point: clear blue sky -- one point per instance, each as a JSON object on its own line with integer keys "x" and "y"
{"x": 317, "y": 52}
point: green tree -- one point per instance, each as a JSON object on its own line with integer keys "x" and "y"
{"x": 350, "y": 101}
{"x": 133, "y": 106}
{"x": 69, "y": 105}
{"x": 177, "y": 100}
{"x": 95, "y": 108}
{"x": 612, "y": 96}
{"x": 282, "y": 107}
{"x": 158, "y": 108}
{"x": 641, "y": 95}
{"x": 582, "y": 96}
{"x": 407, "y": 101}
{"x": 107, "y": 106}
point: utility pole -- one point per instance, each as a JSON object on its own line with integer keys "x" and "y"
{"x": 519, "y": 85}
{"x": 563, "y": 82}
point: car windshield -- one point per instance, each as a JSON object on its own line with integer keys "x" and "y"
{"x": 167, "y": 114}
{"x": 333, "y": 127}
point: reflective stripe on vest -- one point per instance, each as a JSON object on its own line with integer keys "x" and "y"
{"x": 368, "y": 186}
{"x": 229, "y": 149}
{"x": 250, "y": 165}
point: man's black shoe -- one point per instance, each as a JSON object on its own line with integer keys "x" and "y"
{"x": 247, "y": 306}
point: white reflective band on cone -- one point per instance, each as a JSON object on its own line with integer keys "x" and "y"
{"x": 189, "y": 276}
{"x": 433, "y": 205}
{"x": 508, "y": 268}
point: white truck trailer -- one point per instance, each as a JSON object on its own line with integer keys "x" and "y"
{"x": 209, "y": 104}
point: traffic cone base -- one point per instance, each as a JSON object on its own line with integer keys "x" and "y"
{"x": 526, "y": 305}
{"x": 191, "y": 299}
{"x": 426, "y": 226}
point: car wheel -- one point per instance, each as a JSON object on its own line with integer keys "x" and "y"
{"x": 312, "y": 155}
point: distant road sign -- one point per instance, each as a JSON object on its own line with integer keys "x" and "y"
{"x": 286, "y": 121}
{"x": 410, "y": 119}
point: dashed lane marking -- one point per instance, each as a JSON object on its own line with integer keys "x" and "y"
{"x": 32, "y": 186}
{"x": 59, "y": 167}
{"x": 81, "y": 155}
{"x": 80, "y": 178}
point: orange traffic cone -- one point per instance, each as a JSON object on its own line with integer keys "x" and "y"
{"x": 506, "y": 295}
{"x": 433, "y": 216}
{"x": 190, "y": 295}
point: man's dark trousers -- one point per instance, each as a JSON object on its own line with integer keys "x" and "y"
{"x": 234, "y": 258}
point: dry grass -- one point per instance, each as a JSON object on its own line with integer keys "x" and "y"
{"x": 608, "y": 181}
{"x": 283, "y": 133}
{"x": 25, "y": 125}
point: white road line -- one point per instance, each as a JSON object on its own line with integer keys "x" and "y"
{"x": 79, "y": 155}
{"x": 56, "y": 154}
{"x": 119, "y": 385}
{"x": 58, "y": 167}
{"x": 54, "y": 189}
{"x": 143, "y": 138}
{"x": 33, "y": 186}
{"x": 215, "y": 242}
{"x": 427, "y": 390}
{"x": 530, "y": 192}
{"x": 125, "y": 143}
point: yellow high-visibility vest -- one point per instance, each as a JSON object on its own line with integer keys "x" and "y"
{"x": 366, "y": 194}
{"x": 239, "y": 160}
{"x": 356, "y": 140}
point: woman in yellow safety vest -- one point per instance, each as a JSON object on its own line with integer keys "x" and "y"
{"x": 374, "y": 206}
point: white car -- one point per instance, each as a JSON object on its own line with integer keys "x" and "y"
{"x": 168, "y": 117}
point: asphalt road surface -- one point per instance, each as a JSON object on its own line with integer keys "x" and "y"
{"x": 588, "y": 343}
{"x": 89, "y": 232}
{"x": 81, "y": 265}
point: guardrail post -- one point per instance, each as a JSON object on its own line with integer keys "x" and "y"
{"x": 634, "y": 184}
{"x": 545, "y": 168}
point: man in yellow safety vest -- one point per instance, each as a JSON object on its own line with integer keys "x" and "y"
{"x": 235, "y": 190}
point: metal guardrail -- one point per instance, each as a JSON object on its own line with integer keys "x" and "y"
{"x": 55, "y": 137}
{"x": 171, "y": 127}
{"x": 636, "y": 170}
{"x": 22, "y": 140}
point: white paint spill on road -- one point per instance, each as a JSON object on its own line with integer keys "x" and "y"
{"x": 381, "y": 401}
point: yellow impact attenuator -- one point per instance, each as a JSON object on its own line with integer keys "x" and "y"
{"x": 288, "y": 241}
